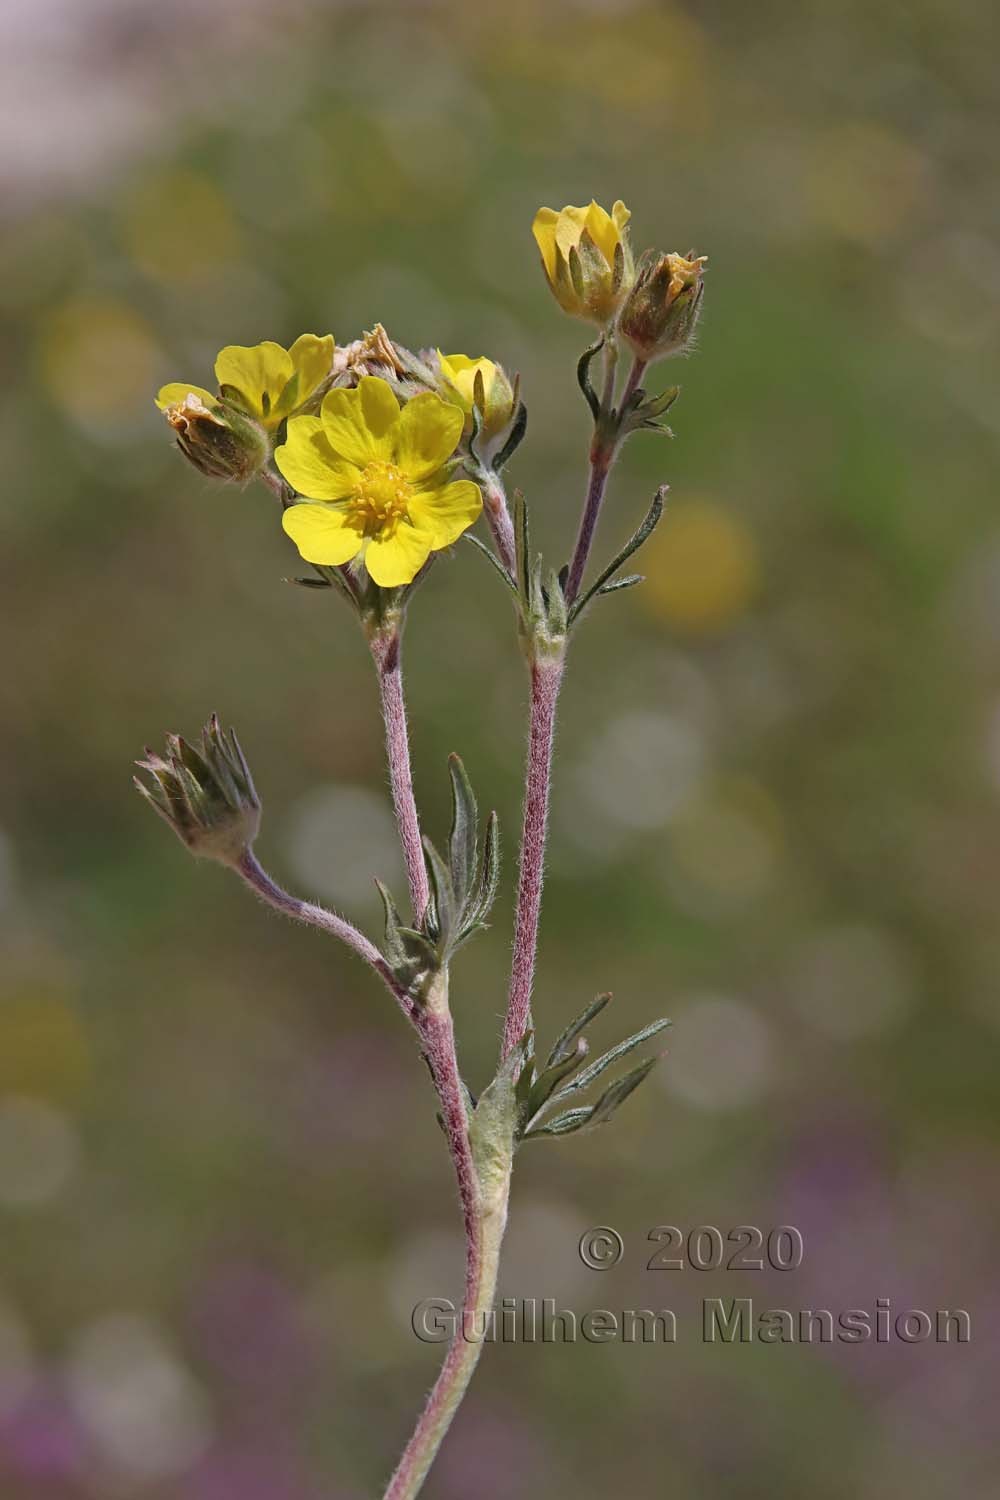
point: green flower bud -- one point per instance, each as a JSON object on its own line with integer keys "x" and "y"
{"x": 661, "y": 311}
{"x": 221, "y": 441}
{"x": 206, "y": 795}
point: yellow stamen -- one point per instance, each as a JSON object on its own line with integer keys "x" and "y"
{"x": 380, "y": 500}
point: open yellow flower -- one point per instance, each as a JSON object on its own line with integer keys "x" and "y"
{"x": 587, "y": 258}
{"x": 266, "y": 382}
{"x": 479, "y": 382}
{"x": 375, "y": 479}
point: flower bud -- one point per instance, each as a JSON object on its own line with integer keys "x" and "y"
{"x": 221, "y": 442}
{"x": 587, "y": 258}
{"x": 661, "y": 311}
{"x": 206, "y": 795}
{"x": 483, "y": 385}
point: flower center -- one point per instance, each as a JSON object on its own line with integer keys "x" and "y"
{"x": 380, "y": 499}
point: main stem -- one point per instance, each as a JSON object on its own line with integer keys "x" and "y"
{"x": 386, "y": 648}
{"x": 546, "y": 677}
{"x": 484, "y": 1214}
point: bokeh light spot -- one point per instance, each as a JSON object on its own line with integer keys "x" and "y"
{"x": 701, "y": 567}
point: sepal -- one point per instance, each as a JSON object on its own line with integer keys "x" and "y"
{"x": 544, "y": 614}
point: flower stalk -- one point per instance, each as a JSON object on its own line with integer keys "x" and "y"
{"x": 386, "y": 647}
{"x": 546, "y": 679}
{"x": 253, "y": 874}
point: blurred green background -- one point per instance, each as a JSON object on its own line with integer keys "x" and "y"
{"x": 777, "y": 807}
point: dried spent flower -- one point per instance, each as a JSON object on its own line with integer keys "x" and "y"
{"x": 206, "y": 794}
{"x": 220, "y": 441}
{"x": 661, "y": 311}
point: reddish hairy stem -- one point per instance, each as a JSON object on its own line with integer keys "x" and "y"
{"x": 600, "y": 464}
{"x": 636, "y": 373}
{"x": 256, "y": 877}
{"x": 386, "y": 652}
{"x": 499, "y": 521}
{"x": 484, "y": 1224}
{"x": 546, "y": 677}
{"x": 607, "y": 436}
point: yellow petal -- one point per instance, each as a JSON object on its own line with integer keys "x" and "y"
{"x": 603, "y": 231}
{"x": 169, "y": 395}
{"x": 461, "y": 371}
{"x": 310, "y": 465}
{"x": 399, "y": 558}
{"x": 312, "y": 357}
{"x": 620, "y": 214}
{"x": 428, "y": 434}
{"x": 572, "y": 222}
{"x": 445, "y": 513}
{"x": 544, "y": 230}
{"x": 360, "y": 423}
{"x": 321, "y": 533}
{"x": 260, "y": 374}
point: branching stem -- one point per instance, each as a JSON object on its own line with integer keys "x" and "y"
{"x": 256, "y": 877}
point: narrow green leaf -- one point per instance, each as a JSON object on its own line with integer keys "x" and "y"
{"x": 537, "y": 602}
{"x": 418, "y": 950}
{"x": 615, "y": 1096}
{"x": 490, "y": 879}
{"x": 628, "y": 582}
{"x": 573, "y": 1119}
{"x": 526, "y": 1071}
{"x": 550, "y": 1079}
{"x": 443, "y": 894}
{"x": 565, "y": 1043}
{"x": 464, "y": 838}
{"x": 522, "y": 543}
{"x": 608, "y": 1059}
{"x": 487, "y": 553}
{"x": 632, "y": 545}
{"x": 394, "y": 950}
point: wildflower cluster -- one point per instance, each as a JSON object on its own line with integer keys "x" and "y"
{"x": 382, "y": 459}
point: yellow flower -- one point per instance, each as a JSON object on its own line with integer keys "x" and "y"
{"x": 587, "y": 258}
{"x": 266, "y": 382}
{"x": 381, "y": 477}
{"x": 481, "y": 383}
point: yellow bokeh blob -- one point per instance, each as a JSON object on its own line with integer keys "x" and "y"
{"x": 178, "y": 228}
{"x": 98, "y": 361}
{"x": 864, "y": 181}
{"x": 727, "y": 841}
{"x": 700, "y": 565}
{"x": 43, "y": 1050}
